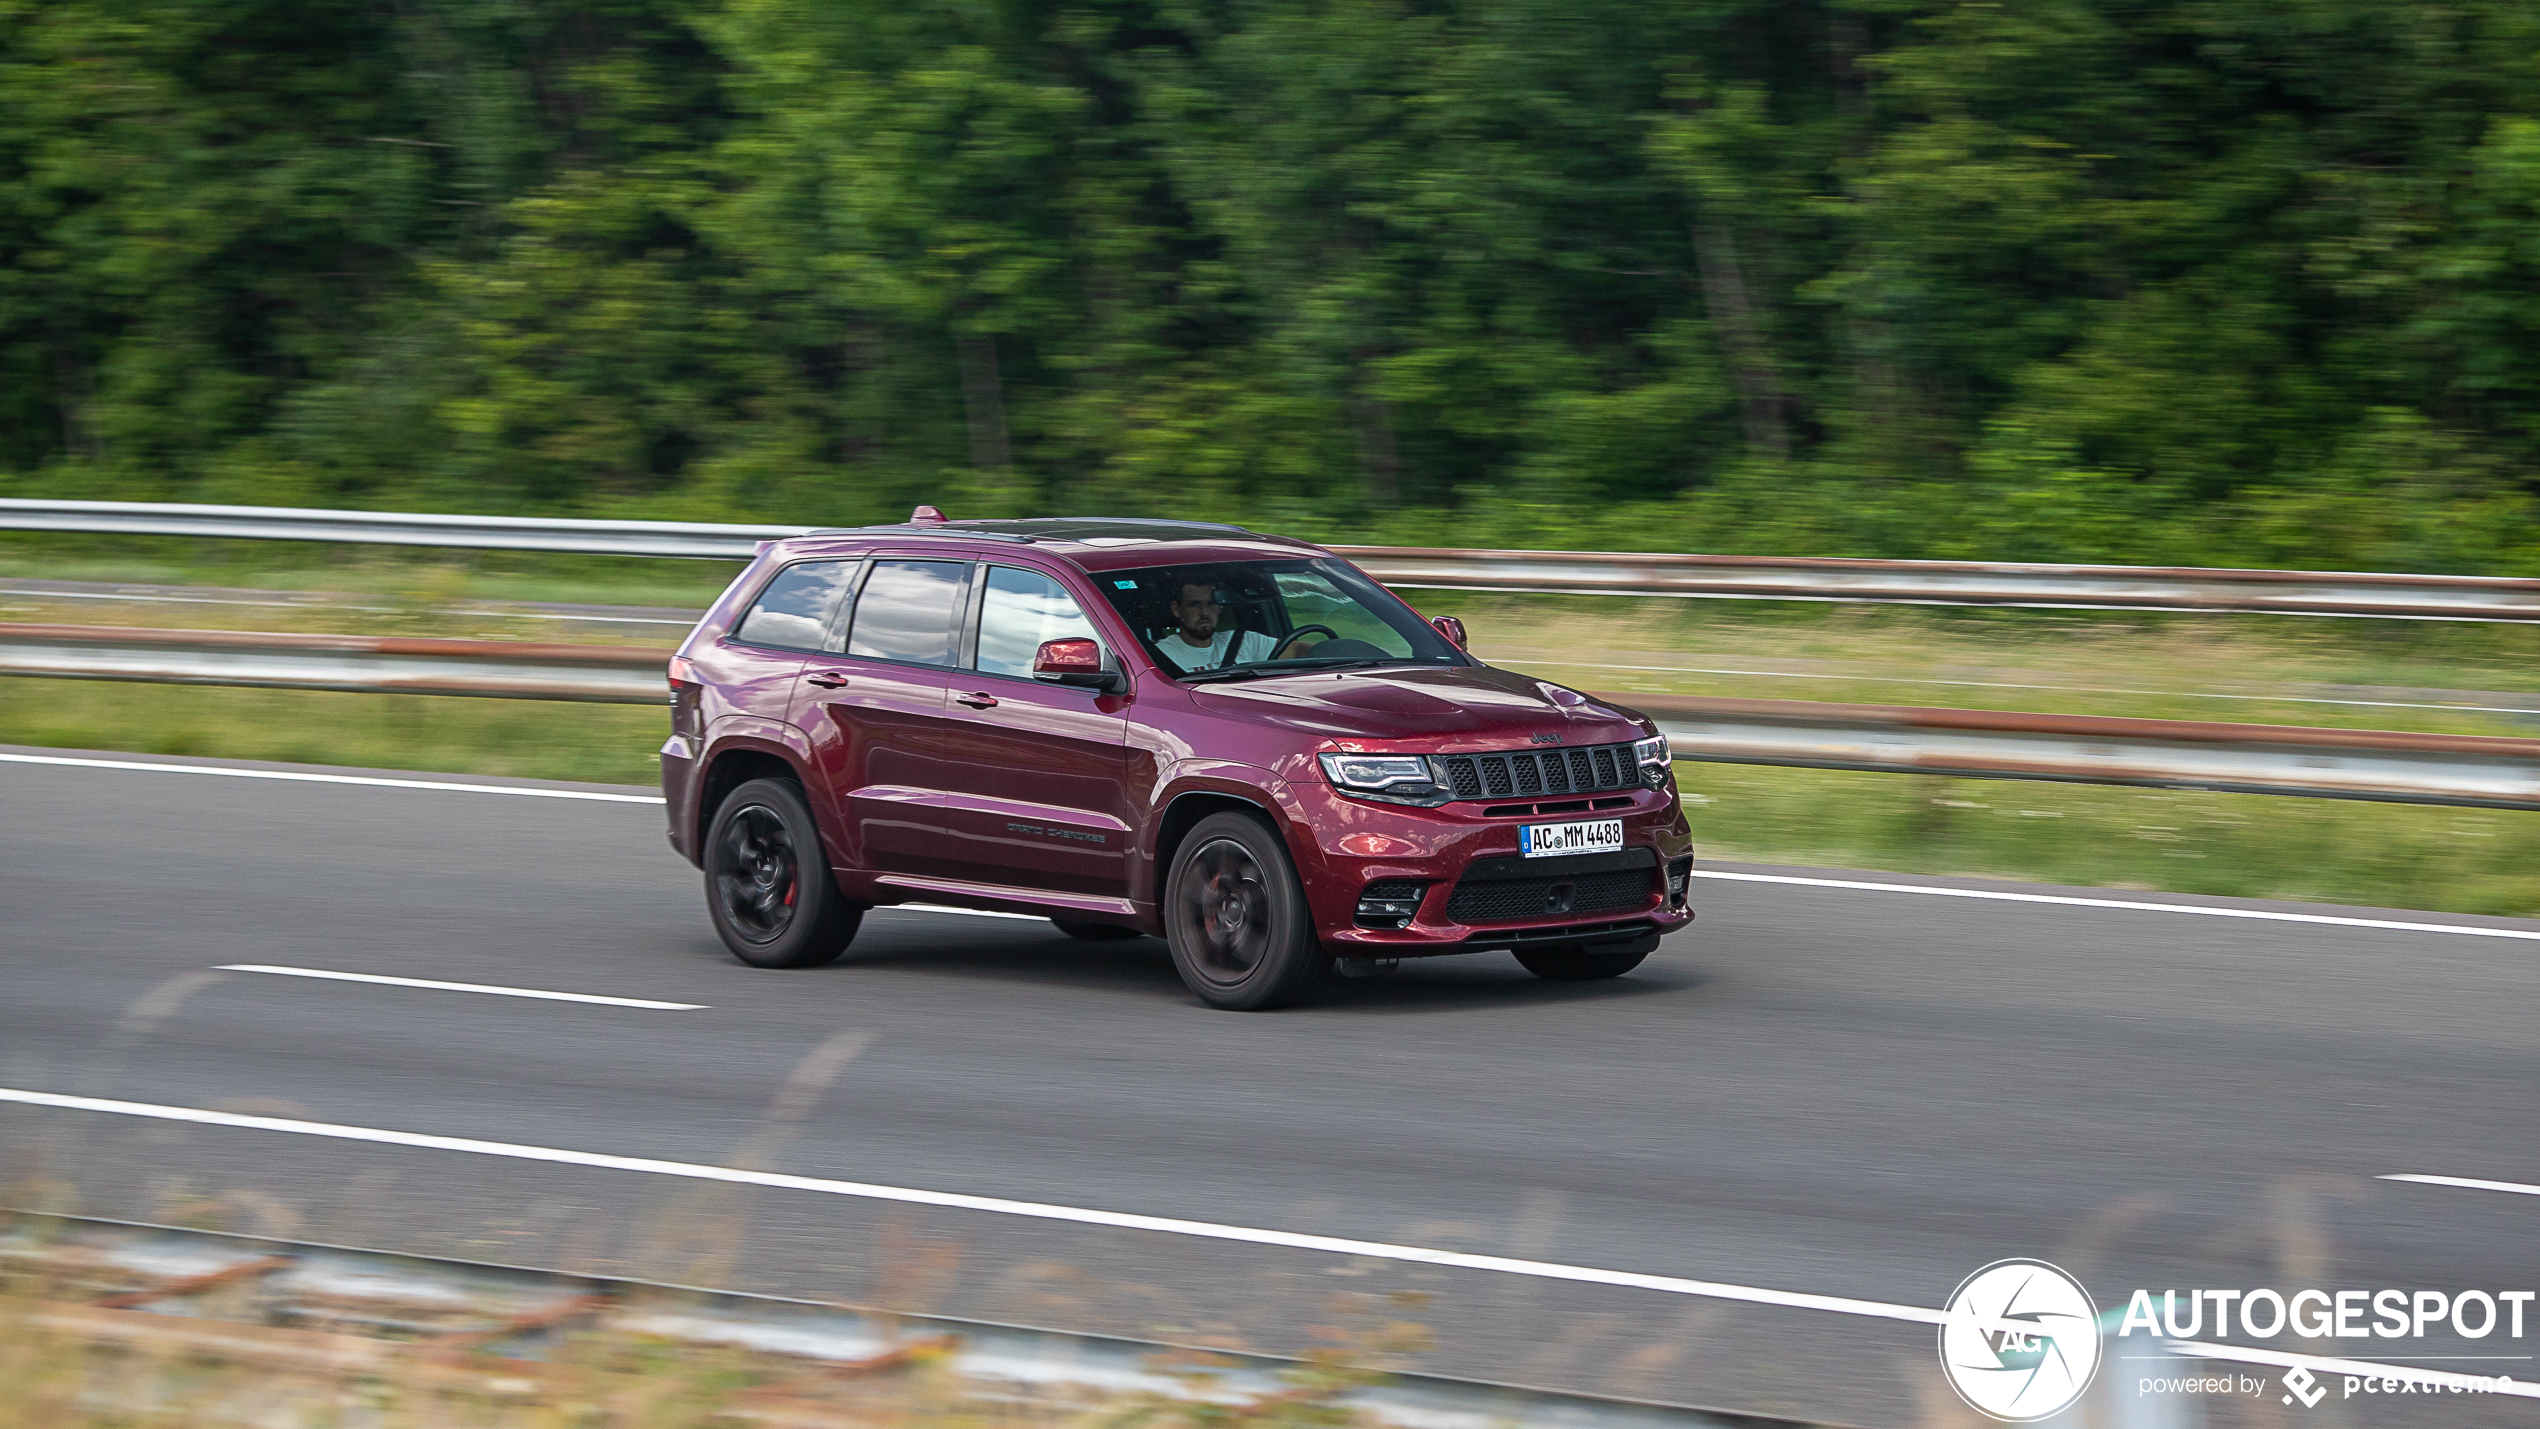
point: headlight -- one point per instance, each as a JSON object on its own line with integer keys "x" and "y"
{"x": 1653, "y": 757}
{"x": 1379, "y": 773}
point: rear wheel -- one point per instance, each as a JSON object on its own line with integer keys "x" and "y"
{"x": 1095, "y": 932}
{"x": 767, "y": 882}
{"x": 1235, "y": 917}
{"x": 1597, "y": 960}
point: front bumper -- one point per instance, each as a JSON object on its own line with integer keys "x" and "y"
{"x": 1355, "y": 846}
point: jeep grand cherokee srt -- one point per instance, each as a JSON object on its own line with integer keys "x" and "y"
{"x": 1237, "y": 741}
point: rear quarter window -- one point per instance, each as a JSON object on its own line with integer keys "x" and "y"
{"x": 793, "y": 613}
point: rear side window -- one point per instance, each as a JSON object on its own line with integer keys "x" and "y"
{"x": 793, "y": 612}
{"x": 1018, "y": 611}
{"x": 906, "y": 612}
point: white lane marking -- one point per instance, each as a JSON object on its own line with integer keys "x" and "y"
{"x": 2467, "y": 1183}
{"x": 2127, "y": 905}
{"x": 297, "y": 777}
{"x": 436, "y": 986}
{"x": 2370, "y": 1369}
{"x": 965, "y": 912}
{"x": 1204, "y": 1230}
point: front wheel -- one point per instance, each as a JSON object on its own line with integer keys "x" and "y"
{"x": 1235, "y": 917}
{"x": 767, "y": 882}
{"x": 1587, "y": 964}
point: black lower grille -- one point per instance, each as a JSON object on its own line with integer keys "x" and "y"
{"x": 1502, "y": 900}
{"x": 1552, "y": 771}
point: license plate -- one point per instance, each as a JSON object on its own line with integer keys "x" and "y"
{"x": 1554, "y": 840}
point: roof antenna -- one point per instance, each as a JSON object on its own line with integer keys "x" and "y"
{"x": 926, "y": 516}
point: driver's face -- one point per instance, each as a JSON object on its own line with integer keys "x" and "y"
{"x": 1197, "y": 609}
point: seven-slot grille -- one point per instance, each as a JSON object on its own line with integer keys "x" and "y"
{"x": 1594, "y": 769}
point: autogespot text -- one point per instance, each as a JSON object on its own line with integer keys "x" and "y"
{"x": 2323, "y": 1315}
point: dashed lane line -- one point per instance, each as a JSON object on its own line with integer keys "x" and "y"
{"x": 434, "y": 985}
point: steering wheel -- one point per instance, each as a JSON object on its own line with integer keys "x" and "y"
{"x": 1292, "y": 635}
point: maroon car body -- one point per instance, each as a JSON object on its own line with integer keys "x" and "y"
{"x": 936, "y": 781}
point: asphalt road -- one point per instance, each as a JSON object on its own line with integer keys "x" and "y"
{"x": 1824, "y": 1090}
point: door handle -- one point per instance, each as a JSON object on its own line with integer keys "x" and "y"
{"x": 980, "y": 700}
{"x": 826, "y": 679}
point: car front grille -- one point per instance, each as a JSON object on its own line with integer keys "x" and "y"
{"x": 1595, "y": 769}
{"x": 1503, "y": 900}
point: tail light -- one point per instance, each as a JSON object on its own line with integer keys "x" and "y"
{"x": 687, "y": 689}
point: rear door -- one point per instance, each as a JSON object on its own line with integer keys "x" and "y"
{"x": 873, "y": 705}
{"x": 1036, "y": 775}
{"x": 752, "y": 670}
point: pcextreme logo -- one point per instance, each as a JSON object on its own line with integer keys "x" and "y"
{"x": 2021, "y": 1341}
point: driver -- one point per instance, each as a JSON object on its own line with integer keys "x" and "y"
{"x": 1196, "y": 643}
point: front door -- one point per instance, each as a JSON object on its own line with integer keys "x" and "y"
{"x": 873, "y": 707}
{"x": 1035, "y": 775}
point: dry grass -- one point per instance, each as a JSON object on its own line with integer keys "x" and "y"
{"x": 74, "y": 1354}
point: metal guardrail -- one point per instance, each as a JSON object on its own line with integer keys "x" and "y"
{"x": 2474, "y": 771}
{"x": 391, "y": 528}
{"x": 476, "y": 1306}
{"x": 395, "y": 665}
{"x": 1993, "y": 583}
{"x": 2384, "y": 766}
{"x": 1713, "y": 577}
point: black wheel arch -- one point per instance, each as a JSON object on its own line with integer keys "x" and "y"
{"x": 1184, "y": 813}
{"x": 735, "y": 767}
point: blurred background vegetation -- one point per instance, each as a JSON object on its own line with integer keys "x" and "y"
{"x": 2201, "y": 281}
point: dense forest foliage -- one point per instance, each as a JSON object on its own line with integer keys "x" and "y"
{"x": 2222, "y": 281}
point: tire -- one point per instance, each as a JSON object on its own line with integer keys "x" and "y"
{"x": 1235, "y": 917}
{"x": 1095, "y": 932}
{"x": 1588, "y": 964}
{"x": 767, "y": 882}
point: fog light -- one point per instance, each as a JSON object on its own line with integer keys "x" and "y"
{"x": 1679, "y": 879}
{"x": 1392, "y": 903}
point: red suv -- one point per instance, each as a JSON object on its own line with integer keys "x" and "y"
{"x": 1237, "y": 741}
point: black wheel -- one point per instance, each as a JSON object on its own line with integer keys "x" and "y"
{"x": 1596, "y": 960}
{"x": 768, "y": 883}
{"x": 1095, "y": 932}
{"x": 1235, "y": 917}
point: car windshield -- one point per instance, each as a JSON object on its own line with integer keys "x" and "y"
{"x": 1233, "y": 619}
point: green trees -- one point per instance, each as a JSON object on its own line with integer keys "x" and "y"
{"x": 2191, "y": 280}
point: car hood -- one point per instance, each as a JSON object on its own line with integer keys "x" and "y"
{"x": 1447, "y": 709}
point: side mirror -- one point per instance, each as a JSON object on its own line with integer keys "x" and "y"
{"x": 1076, "y": 661}
{"x": 1451, "y": 628}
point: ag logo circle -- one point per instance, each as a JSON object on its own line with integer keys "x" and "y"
{"x": 2021, "y": 1340}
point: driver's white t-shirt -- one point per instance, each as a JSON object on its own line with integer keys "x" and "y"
{"x": 1187, "y": 657}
